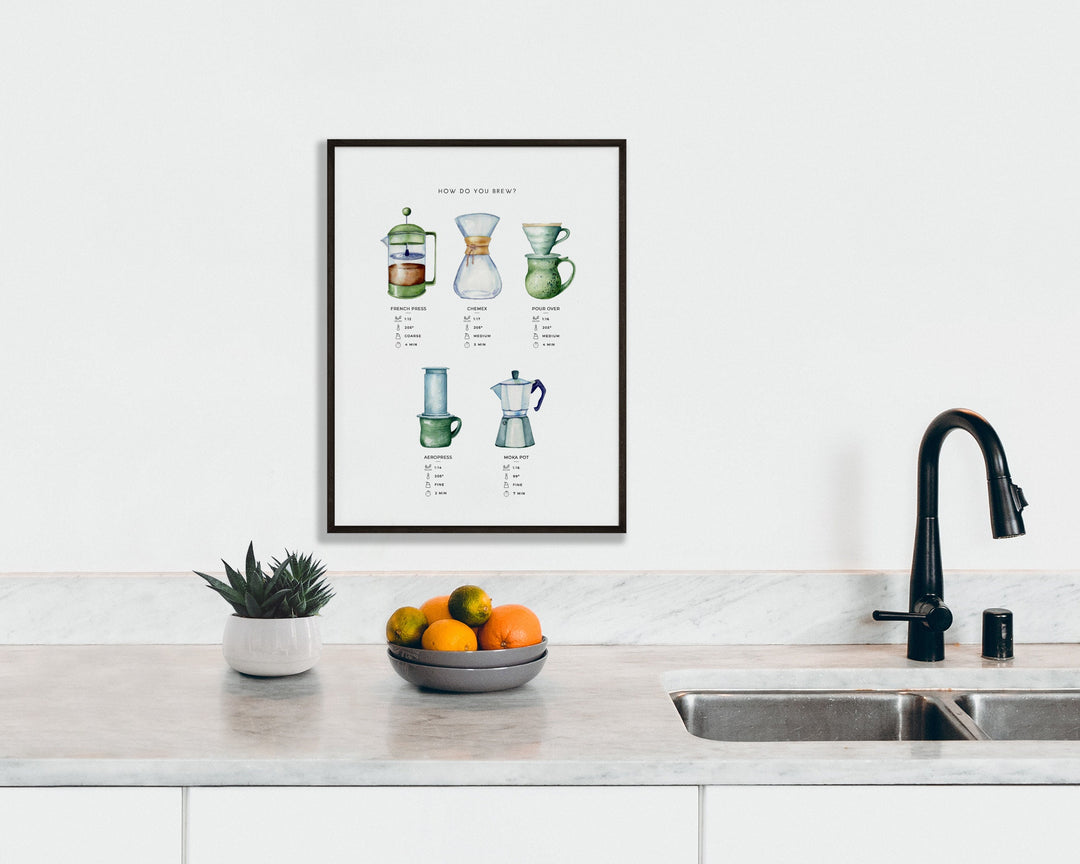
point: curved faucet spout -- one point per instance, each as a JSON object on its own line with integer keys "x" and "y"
{"x": 1006, "y": 499}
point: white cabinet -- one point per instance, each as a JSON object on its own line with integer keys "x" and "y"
{"x": 888, "y": 824}
{"x": 448, "y": 825}
{"x": 534, "y": 824}
{"x": 90, "y": 825}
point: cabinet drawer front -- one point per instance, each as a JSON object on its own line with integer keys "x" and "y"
{"x": 90, "y": 825}
{"x": 466, "y": 824}
{"x": 841, "y": 824}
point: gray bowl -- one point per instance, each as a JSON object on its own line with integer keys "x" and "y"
{"x": 455, "y": 680}
{"x": 496, "y": 657}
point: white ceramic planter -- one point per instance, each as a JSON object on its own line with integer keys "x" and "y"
{"x": 271, "y": 646}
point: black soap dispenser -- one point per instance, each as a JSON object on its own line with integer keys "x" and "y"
{"x": 997, "y": 638}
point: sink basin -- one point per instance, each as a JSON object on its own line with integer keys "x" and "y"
{"x": 818, "y": 715}
{"x": 1025, "y": 715}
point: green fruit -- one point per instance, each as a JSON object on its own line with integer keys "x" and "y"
{"x": 406, "y": 626}
{"x": 470, "y": 605}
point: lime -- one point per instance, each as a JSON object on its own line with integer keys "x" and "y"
{"x": 470, "y": 605}
{"x": 406, "y": 626}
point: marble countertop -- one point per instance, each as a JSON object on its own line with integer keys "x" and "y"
{"x": 176, "y": 715}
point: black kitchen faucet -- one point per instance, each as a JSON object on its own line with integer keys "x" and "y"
{"x": 928, "y": 617}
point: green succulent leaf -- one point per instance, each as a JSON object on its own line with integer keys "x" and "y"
{"x": 232, "y": 596}
{"x": 274, "y": 602}
{"x": 257, "y": 589}
{"x": 277, "y": 582}
{"x": 235, "y": 579}
{"x": 216, "y": 584}
{"x": 254, "y": 609}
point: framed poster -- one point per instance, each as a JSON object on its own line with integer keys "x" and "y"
{"x": 476, "y": 336}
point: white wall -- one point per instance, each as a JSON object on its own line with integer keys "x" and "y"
{"x": 885, "y": 200}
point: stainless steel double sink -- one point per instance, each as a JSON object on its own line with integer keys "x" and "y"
{"x": 880, "y": 715}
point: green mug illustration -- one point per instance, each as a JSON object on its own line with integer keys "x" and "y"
{"x": 544, "y": 235}
{"x": 543, "y": 280}
{"x": 438, "y": 431}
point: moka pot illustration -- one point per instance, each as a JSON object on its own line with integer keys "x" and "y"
{"x": 406, "y": 250}
{"x": 477, "y": 277}
{"x": 514, "y": 394}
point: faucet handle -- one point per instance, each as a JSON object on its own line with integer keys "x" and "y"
{"x": 1018, "y": 498}
{"x": 929, "y": 609}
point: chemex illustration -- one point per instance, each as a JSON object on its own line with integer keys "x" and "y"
{"x": 477, "y": 276}
{"x": 406, "y": 249}
{"x": 514, "y": 394}
{"x": 437, "y": 427}
{"x": 542, "y": 278}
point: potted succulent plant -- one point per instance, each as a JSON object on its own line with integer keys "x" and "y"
{"x": 274, "y": 628}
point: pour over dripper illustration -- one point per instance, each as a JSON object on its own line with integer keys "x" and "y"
{"x": 437, "y": 427}
{"x": 514, "y": 394}
{"x": 542, "y": 277}
{"x": 406, "y": 250}
{"x": 543, "y": 236}
{"x": 477, "y": 277}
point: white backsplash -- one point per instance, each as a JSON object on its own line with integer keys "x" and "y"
{"x": 576, "y": 607}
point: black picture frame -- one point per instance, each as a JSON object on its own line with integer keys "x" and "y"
{"x": 334, "y": 521}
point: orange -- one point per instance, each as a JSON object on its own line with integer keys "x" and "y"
{"x": 470, "y": 605}
{"x": 446, "y": 634}
{"x": 436, "y": 608}
{"x": 406, "y": 626}
{"x": 510, "y": 626}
